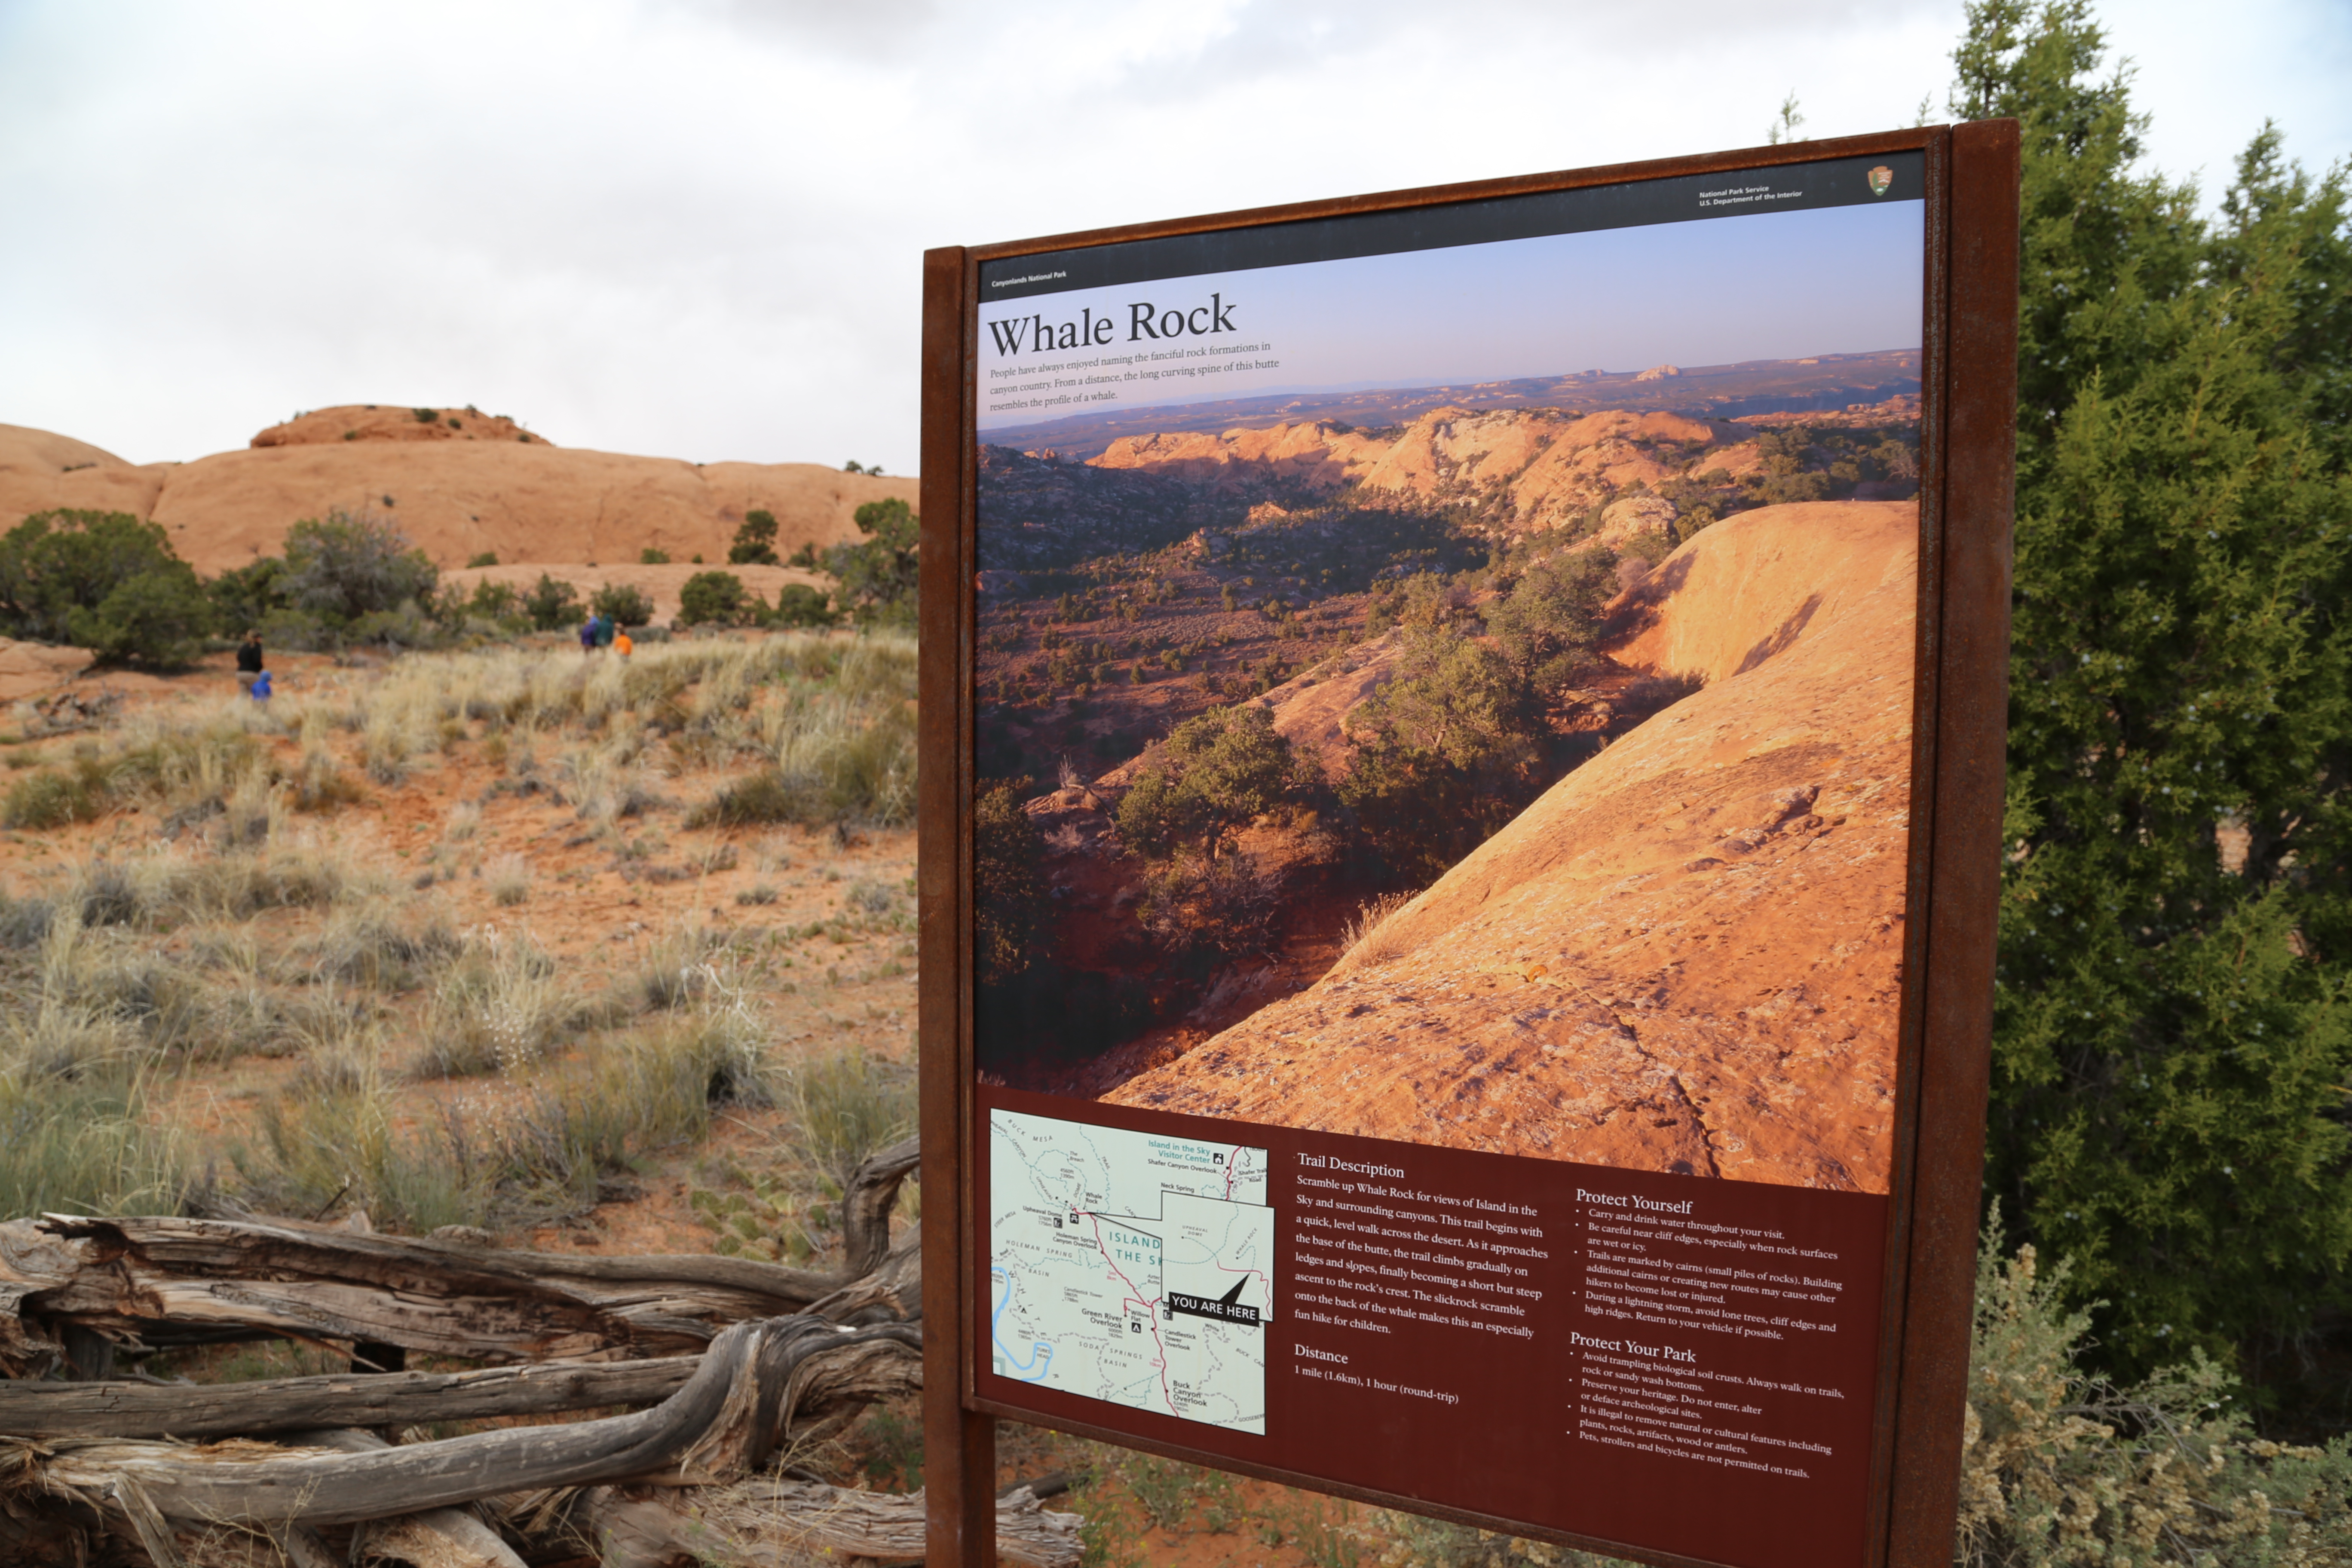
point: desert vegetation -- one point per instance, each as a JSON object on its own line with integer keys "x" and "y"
{"x": 317, "y": 899}
{"x": 112, "y": 583}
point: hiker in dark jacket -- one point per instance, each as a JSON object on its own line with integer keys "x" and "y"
{"x": 248, "y": 661}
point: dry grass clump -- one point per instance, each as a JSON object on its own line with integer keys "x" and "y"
{"x": 334, "y": 1140}
{"x": 148, "y": 763}
{"x": 84, "y": 1146}
{"x": 508, "y": 877}
{"x": 847, "y": 1105}
{"x": 500, "y": 1004}
{"x": 362, "y": 944}
{"x": 80, "y": 1027}
{"x": 653, "y": 1089}
{"x": 839, "y": 737}
{"x": 1361, "y": 939}
{"x": 334, "y": 1143}
{"x": 842, "y": 1108}
{"x": 606, "y": 785}
{"x": 95, "y": 1000}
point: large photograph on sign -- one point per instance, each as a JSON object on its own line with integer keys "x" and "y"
{"x": 1462, "y": 694}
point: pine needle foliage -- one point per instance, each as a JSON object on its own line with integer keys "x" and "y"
{"x": 2171, "y": 1028}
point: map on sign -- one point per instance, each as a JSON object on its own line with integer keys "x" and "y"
{"x": 1131, "y": 1268}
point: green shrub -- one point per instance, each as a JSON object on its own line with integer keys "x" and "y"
{"x": 553, "y": 604}
{"x": 711, "y": 598}
{"x": 103, "y": 581}
{"x": 486, "y": 558}
{"x": 1219, "y": 769}
{"x": 494, "y": 601}
{"x": 755, "y": 542}
{"x": 425, "y": 416}
{"x": 298, "y": 631}
{"x": 798, "y": 605}
{"x": 879, "y": 577}
{"x": 1006, "y": 852}
{"x": 1445, "y": 755}
{"x": 624, "y": 603}
{"x": 350, "y": 565}
{"x": 2060, "y": 1467}
{"x": 651, "y": 557}
{"x": 244, "y": 597}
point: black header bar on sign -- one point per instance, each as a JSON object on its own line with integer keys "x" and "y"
{"x": 1684, "y": 198}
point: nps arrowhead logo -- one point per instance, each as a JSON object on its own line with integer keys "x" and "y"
{"x": 1880, "y": 179}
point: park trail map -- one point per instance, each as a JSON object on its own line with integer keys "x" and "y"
{"x": 1131, "y": 1268}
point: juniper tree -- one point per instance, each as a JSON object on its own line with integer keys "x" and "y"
{"x": 2171, "y": 1041}
{"x": 103, "y": 581}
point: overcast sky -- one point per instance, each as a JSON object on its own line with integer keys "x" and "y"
{"x": 694, "y": 229}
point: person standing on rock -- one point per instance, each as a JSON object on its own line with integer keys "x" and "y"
{"x": 248, "y": 661}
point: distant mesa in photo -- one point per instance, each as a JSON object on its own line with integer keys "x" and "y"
{"x": 459, "y": 482}
{"x": 1809, "y": 388}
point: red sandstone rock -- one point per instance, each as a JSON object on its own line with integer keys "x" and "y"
{"x": 1686, "y": 955}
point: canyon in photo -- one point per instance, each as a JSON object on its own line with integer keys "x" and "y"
{"x": 1530, "y": 780}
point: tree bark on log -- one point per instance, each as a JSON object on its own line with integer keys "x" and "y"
{"x": 78, "y": 1484}
{"x": 723, "y": 1421}
{"x": 144, "y": 1283}
{"x": 195, "y": 1412}
{"x": 795, "y": 1524}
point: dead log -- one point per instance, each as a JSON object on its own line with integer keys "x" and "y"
{"x": 794, "y": 1524}
{"x": 259, "y": 1409}
{"x": 154, "y": 1283}
{"x": 434, "y": 1538}
{"x": 723, "y": 1423}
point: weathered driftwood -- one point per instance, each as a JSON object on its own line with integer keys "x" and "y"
{"x": 150, "y": 1282}
{"x": 77, "y": 1484}
{"x": 434, "y": 1538}
{"x": 794, "y": 1524}
{"x": 260, "y": 1409}
{"x": 722, "y": 1424}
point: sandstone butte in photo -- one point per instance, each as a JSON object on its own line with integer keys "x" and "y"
{"x": 1685, "y": 956}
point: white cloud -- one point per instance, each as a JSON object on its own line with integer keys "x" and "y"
{"x": 696, "y": 230}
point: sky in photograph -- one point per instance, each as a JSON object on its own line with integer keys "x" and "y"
{"x": 1758, "y": 286}
{"x": 694, "y": 228}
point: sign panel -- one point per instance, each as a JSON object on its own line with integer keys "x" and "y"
{"x": 1447, "y": 700}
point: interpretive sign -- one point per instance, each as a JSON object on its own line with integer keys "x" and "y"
{"x": 1461, "y": 792}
